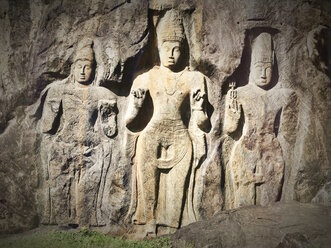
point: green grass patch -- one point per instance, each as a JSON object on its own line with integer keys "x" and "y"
{"x": 81, "y": 239}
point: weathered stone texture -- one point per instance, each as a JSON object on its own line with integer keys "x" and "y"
{"x": 280, "y": 225}
{"x": 38, "y": 43}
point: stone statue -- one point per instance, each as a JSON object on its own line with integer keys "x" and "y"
{"x": 256, "y": 165}
{"x": 171, "y": 144}
{"x": 79, "y": 119}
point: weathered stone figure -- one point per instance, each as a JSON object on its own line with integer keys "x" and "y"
{"x": 170, "y": 146}
{"x": 256, "y": 164}
{"x": 80, "y": 117}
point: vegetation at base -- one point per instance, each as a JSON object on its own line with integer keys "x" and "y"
{"x": 81, "y": 239}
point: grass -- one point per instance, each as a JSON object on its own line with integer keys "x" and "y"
{"x": 81, "y": 239}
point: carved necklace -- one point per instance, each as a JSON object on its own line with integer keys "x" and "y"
{"x": 172, "y": 78}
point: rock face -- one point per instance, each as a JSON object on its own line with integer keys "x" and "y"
{"x": 279, "y": 225}
{"x": 141, "y": 117}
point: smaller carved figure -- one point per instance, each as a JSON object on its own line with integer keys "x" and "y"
{"x": 78, "y": 118}
{"x": 256, "y": 165}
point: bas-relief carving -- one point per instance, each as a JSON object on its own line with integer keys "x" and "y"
{"x": 256, "y": 165}
{"x": 258, "y": 149}
{"x": 167, "y": 114}
{"x": 170, "y": 146}
{"x": 79, "y": 119}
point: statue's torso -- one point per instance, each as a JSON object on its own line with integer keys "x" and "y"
{"x": 260, "y": 109}
{"x": 166, "y": 138}
{"x": 80, "y": 112}
{"x": 168, "y": 91}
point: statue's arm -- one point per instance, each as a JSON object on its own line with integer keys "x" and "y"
{"x": 199, "y": 106}
{"x": 107, "y": 111}
{"x": 289, "y": 117}
{"x": 51, "y": 110}
{"x": 136, "y": 100}
{"x": 232, "y": 114}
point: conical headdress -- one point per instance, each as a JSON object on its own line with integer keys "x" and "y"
{"x": 262, "y": 50}
{"x": 84, "y": 50}
{"x": 170, "y": 27}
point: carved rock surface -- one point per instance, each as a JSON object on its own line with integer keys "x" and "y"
{"x": 37, "y": 44}
{"x": 39, "y": 37}
{"x": 279, "y": 225}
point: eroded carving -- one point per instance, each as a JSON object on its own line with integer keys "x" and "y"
{"x": 317, "y": 47}
{"x": 256, "y": 165}
{"x": 78, "y": 118}
{"x": 171, "y": 145}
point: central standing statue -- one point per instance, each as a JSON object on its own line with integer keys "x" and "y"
{"x": 172, "y": 144}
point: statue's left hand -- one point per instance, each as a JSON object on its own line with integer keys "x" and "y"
{"x": 198, "y": 99}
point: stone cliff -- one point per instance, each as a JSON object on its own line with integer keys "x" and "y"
{"x": 141, "y": 117}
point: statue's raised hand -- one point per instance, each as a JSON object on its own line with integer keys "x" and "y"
{"x": 233, "y": 104}
{"x": 197, "y": 99}
{"x": 232, "y": 111}
{"x": 138, "y": 97}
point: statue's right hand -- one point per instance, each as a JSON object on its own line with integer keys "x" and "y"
{"x": 138, "y": 96}
{"x": 235, "y": 109}
{"x": 235, "y": 106}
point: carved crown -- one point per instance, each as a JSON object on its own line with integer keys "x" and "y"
{"x": 262, "y": 49}
{"x": 84, "y": 50}
{"x": 170, "y": 27}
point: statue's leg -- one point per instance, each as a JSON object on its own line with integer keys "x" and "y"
{"x": 177, "y": 182}
{"x": 243, "y": 163}
{"x": 272, "y": 168}
{"x": 88, "y": 188}
{"x": 147, "y": 176}
{"x": 61, "y": 178}
{"x": 270, "y": 191}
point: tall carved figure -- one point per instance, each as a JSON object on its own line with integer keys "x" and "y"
{"x": 78, "y": 119}
{"x": 172, "y": 143}
{"x": 256, "y": 165}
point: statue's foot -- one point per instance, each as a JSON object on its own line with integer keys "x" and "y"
{"x": 143, "y": 231}
{"x": 165, "y": 230}
{"x": 150, "y": 230}
{"x": 150, "y": 235}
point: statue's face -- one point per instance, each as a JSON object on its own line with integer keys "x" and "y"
{"x": 82, "y": 71}
{"x": 261, "y": 73}
{"x": 170, "y": 52}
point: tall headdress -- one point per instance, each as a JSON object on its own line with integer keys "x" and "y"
{"x": 262, "y": 49}
{"x": 84, "y": 50}
{"x": 170, "y": 27}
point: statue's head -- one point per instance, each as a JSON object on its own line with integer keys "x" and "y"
{"x": 83, "y": 65}
{"x": 170, "y": 36}
{"x": 262, "y": 60}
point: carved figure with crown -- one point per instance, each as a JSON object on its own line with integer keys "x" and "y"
{"x": 171, "y": 145}
{"x": 78, "y": 120}
{"x": 256, "y": 166}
